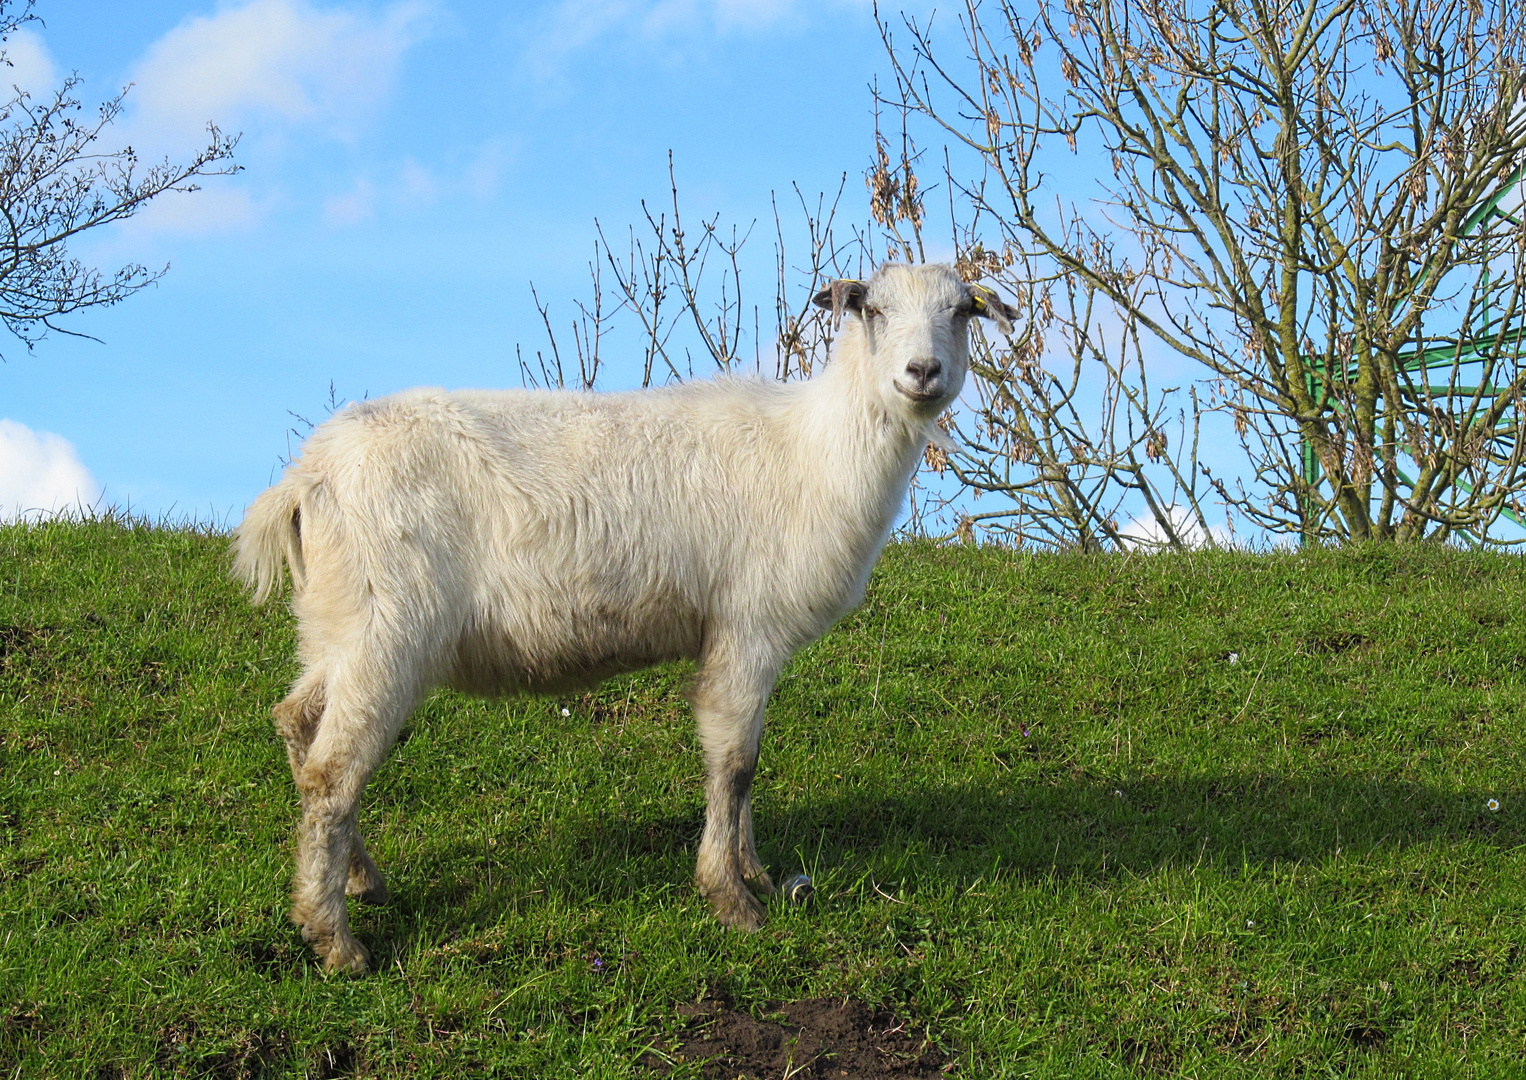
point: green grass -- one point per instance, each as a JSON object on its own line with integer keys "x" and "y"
{"x": 1049, "y": 819}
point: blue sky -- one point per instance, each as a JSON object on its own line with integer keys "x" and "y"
{"x": 409, "y": 168}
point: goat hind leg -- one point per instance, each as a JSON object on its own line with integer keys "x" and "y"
{"x": 365, "y": 882}
{"x": 719, "y": 870}
{"x": 323, "y": 847}
{"x": 357, "y": 731}
{"x": 297, "y": 718}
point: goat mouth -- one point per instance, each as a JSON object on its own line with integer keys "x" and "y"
{"x": 919, "y": 395}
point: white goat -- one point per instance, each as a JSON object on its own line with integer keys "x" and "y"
{"x": 520, "y": 540}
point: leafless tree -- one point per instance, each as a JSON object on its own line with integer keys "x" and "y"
{"x": 1313, "y": 200}
{"x": 680, "y": 298}
{"x": 684, "y": 295}
{"x": 56, "y": 181}
{"x": 1062, "y": 422}
{"x": 1064, "y": 427}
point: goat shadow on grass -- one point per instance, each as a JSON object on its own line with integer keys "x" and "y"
{"x": 1107, "y": 829}
{"x": 953, "y": 834}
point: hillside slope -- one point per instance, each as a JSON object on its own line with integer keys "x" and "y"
{"x": 1217, "y": 815}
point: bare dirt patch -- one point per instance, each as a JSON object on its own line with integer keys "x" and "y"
{"x": 813, "y": 1039}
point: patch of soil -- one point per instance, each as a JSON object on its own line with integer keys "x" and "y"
{"x": 818, "y": 1038}
{"x": 335, "y": 1062}
{"x": 185, "y": 1050}
{"x": 1335, "y": 643}
{"x": 23, "y": 640}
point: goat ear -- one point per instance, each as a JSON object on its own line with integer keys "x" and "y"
{"x": 844, "y": 294}
{"x": 990, "y": 306}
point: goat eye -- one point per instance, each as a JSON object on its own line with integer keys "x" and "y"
{"x": 870, "y": 312}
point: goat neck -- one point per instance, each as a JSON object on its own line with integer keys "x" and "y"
{"x": 867, "y": 447}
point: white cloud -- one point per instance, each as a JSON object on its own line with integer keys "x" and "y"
{"x": 571, "y": 25}
{"x": 477, "y": 175}
{"x": 272, "y": 71}
{"x": 418, "y": 185}
{"x": 1146, "y": 534}
{"x": 41, "y": 474}
{"x": 414, "y": 186}
{"x": 668, "y": 14}
{"x": 484, "y": 172}
{"x": 271, "y": 64}
{"x": 353, "y": 207}
{"x": 30, "y": 68}
{"x": 215, "y": 210}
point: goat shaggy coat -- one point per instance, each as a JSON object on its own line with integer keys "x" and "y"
{"x": 536, "y": 541}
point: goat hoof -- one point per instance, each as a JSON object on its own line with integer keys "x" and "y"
{"x": 340, "y": 952}
{"x": 762, "y": 885}
{"x": 346, "y": 958}
{"x": 740, "y": 911}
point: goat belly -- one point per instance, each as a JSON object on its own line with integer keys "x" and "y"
{"x": 568, "y": 650}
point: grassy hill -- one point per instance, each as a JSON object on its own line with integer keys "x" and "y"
{"x": 1210, "y": 815}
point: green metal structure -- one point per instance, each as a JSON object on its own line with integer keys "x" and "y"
{"x": 1474, "y": 345}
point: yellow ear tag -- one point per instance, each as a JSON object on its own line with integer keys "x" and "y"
{"x": 980, "y": 304}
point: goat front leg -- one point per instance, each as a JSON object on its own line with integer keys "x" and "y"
{"x": 729, "y": 699}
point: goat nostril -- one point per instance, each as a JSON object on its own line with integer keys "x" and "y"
{"x": 923, "y": 370}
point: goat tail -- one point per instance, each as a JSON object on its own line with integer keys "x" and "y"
{"x": 270, "y": 534}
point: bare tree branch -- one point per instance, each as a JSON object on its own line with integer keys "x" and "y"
{"x": 1316, "y": 201}
{"x": 56, "y": 183}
